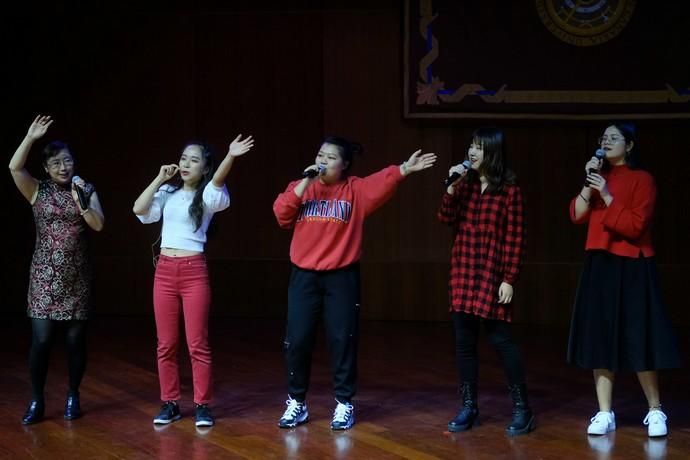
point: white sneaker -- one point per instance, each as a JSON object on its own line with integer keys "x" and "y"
{"x": 656, "y": 423}
{"x": 343, "y": 416}
{"x": 602, "y": 423}
{"x": 295, "y": 414}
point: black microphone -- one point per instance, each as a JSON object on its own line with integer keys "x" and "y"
{"x": 80, "y": 193}
{"x": 599, "y": 154}
{"x": 453, "y": 177}
{"x": 311, "y": 173}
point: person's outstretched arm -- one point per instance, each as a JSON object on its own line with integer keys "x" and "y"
{"x": 237, "y": 147}
{"x": 25, "y": 182}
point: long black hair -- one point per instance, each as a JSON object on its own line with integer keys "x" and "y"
{"x": 494, "y": 166}
{"x": 196, "y": 208}
{"x": 347, "y": 150}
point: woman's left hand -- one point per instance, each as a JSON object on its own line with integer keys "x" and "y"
{"x": 240, "y": 147}
{"x": 505, "y": 293}
{"x": 419, "y": 161}
{"x": 598, "y": 183}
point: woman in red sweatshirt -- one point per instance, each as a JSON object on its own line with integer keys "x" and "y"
{"x": 326, "y": 211}
{"x": 619, "y": 321}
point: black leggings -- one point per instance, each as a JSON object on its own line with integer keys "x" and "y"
{"x": 42, "y": 337}
{"x": 498, "y": 332}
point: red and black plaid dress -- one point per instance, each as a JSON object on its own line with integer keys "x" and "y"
{"x": 489, "y": 246}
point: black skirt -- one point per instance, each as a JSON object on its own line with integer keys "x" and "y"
{"x": 619, "y": 320}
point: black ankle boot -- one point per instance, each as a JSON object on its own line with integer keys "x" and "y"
{"x": 72, "y": 406}
{"x": 34, "y": 413}
{"x": 523, "y": 420}
{"x": 469, "y": 413}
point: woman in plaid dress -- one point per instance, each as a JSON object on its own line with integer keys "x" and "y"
{"x": 485, "y": 209}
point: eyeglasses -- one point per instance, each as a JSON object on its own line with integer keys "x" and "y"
{"x": 56, "y": 164}
{"x": 611, "y": 140}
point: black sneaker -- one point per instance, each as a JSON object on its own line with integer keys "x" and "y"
{"x": 295, "y": 414}
{"x": 203, "y": 415}
{"x": 343, "y": 416}
{"x": 170, "y": 412}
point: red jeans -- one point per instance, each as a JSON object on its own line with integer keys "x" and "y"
{"x": 182, "y": 282}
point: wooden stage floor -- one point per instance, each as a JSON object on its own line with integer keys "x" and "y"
{"x": 407, "y": 393}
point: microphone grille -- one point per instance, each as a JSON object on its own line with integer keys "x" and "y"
{"x": 467, "y": 164}
{"x": 75, "y": 178}
{"x": 600, "y": 153}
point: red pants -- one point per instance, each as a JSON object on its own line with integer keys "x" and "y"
{"x": 182, "y": 282}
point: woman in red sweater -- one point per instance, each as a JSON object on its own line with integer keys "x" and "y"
{"x": 619, "y": 321}
{"x": 485, "y": 209}
{"x": 326, "y": 211}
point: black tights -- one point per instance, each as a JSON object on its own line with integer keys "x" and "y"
{"x": 498, "y": 332}
{"x": 42, "y": 337}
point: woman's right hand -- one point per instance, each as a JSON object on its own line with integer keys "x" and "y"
{"x": 459, "y": 169}
{"x": 167, "y": 172}
{"x": 316, "y": 170}
{"x": 593, "y": 164}
{"x": 39, "y": 127}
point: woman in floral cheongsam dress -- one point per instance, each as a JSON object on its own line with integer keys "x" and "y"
{"x": 59, "y": 287}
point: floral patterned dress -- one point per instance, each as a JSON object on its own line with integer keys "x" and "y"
{"x": 60, "y": 279}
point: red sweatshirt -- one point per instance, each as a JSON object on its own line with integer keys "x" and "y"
{"x": 622, "y": 228}
{"x": 328, "y": 219}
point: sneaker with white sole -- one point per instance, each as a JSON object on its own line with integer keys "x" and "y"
{"x": 343, "y": 416}
{"x": 602, "y": 423}
{"x": 170, "y": 412}
{"x": 656, "y": 423}
{"x": 202, "y": 415}
{"x": 295, "y": 414}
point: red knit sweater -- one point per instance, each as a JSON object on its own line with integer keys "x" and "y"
{"x": 622, "y": 228}
{"x": 328, "y": 219}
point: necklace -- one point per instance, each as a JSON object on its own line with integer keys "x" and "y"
{"x": 187, "y": 195}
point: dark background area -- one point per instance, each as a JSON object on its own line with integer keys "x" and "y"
{"x": 130, "y": 83}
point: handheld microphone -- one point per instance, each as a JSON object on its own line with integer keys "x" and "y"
{"x": 453, "y": 177}
{"x": 599, "y": 154}
{"x": 311, "y": 173}
{"x": 80, "y": 193}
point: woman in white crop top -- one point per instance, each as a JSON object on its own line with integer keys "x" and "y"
{"x": 181, "y": 281}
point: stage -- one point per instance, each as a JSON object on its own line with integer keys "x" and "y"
{"x": 407, "y": 394}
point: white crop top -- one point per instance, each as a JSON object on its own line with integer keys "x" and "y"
{"x": 178, "y": 226}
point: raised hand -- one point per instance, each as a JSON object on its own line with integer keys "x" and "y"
{"x": 168, "y": 171}
{"x": 593, "y": 164}
{"x": 240, "y": 147}
{"x": 39, "y": 127}
{"x": 419, "y": 161}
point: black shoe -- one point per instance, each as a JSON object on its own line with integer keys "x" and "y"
{"x": 203, "y": 415}
{"x": 170, "y": 412}
{"x": 468, "y": 415}
{"x": 72, "y": 407}
{"x": 34, "y": 413}
{"x": 523, "y": 419}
